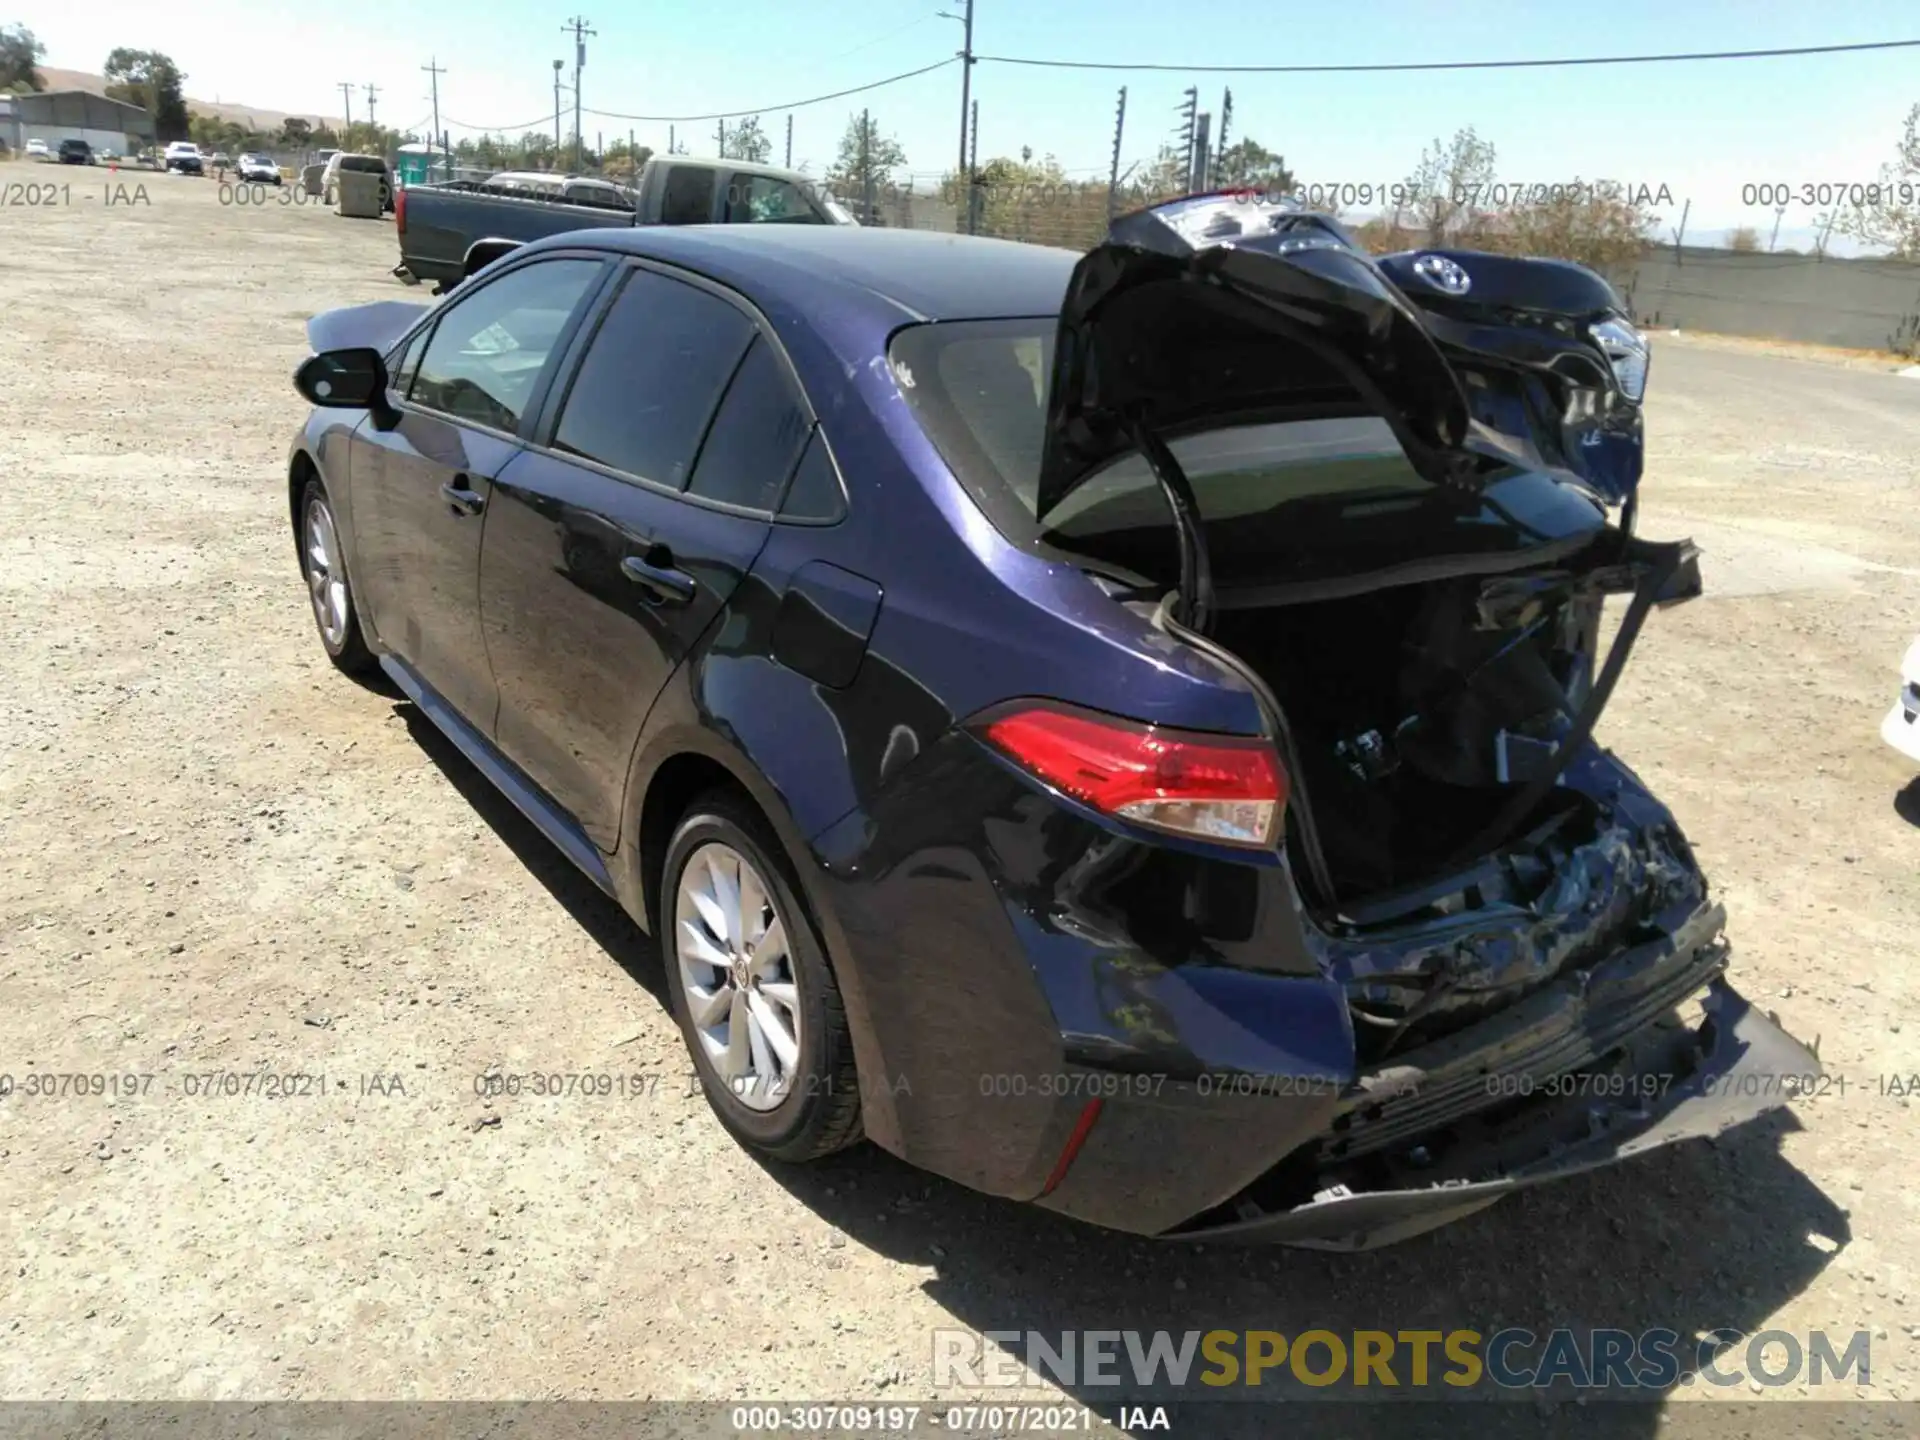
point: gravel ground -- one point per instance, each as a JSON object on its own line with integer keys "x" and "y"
{"x": 216, "y": 854}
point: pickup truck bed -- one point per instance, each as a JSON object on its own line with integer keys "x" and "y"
{"x": 440, "y": 226}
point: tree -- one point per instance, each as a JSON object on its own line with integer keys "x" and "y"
{"x": 20, "y": 52}
{"x": 153, "y": 82}
{"x": 1248, "y": 163}
{"x": 1593, "y": 225}
{"x": 295, "y": 133}
{"x": 1163, "y": 178}
{"x": 866, "y": 162}
{"x": 623, "y": 162}
{"x": 1744, "y": 238}
{"x": 1888, "y": 214}
{"x": 747, "y": 141}
{"x": 1447, "y": 192}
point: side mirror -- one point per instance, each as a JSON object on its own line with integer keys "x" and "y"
{"x": 354, "y": 379}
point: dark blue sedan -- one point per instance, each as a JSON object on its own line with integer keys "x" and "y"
{"x": 1114, "y": 730}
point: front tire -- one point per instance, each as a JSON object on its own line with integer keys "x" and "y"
{"x": 752, "y": 988}
{"x": 324, "y": 566}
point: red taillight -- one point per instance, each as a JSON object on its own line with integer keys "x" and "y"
{"x": 400, "y": 210}
{"x": 1210, "y": 787}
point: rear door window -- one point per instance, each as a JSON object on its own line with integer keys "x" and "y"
{"x": 647, "y": 387}
{"x": 489, "y": 348}
{"x": 815, "y": 497}
{"x": 755, "y": 437}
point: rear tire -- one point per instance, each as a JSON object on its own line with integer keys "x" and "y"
{"x": 752, "y": 988}
{"x": 323, "y": 565}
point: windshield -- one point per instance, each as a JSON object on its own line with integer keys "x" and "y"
{"x": 978, "y": 389}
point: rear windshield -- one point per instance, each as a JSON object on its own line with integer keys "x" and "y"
{"x": 979, "y": 391}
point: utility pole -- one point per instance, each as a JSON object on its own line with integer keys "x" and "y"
{"x": 558, "y": 66}
{"x": 580, "y": 33}
{"x": 966, "y": 80}
{"x": 346, "y": 99}
{"x": 372, "y": 90}
{"x": 720, "y": 137}
{"x": 1189, "y": 132}
{"x": 966, "y": 85}
{"x": 1197, "y": 181}
{"x": 866, "y": 167}
{"x": 1226, "y": 120}
{"x": 1113, "y": 173}
{"x": 1778, "y": 212}
{"x": 974, "y": 197}
{"x": 789, "y": 140}
{"x": 434, "y": 70}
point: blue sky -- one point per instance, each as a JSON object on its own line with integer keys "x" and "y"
{"x": 1701, "y": 130}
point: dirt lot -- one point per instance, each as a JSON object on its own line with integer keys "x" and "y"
{"x": 215, "y": 853}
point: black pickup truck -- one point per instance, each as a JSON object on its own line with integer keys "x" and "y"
{"x": 448, "y": 231}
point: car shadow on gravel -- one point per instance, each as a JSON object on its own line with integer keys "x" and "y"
{"x": 598, "y": 914}
{"x": 1698, "y": 1237}
{"x": 1706, "y": 1235}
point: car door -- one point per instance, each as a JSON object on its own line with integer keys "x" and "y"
{"x": 420, "y": 489}
{"x": 618, "y": 539}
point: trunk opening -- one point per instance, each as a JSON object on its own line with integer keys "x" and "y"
{"x": 1415, "y": 726}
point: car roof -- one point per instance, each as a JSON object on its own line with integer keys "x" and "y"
{"x": 837, "y": 272}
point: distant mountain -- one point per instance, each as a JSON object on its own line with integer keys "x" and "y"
{"x": 249, "y": 115}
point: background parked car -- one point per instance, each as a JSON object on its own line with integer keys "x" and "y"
{"x": 185, "y": 157}
{"x": 75, "y": 152}
{"x": 371, "y": 164}
{"x": 37, "y": 150}
{"x": 259, "y": 170}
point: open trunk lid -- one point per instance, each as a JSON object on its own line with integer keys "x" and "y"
{"x": 1228, "y": 310}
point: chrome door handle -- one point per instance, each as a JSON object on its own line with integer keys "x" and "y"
{"x": 460, "y": 499}
{"x": 666, "y": 585}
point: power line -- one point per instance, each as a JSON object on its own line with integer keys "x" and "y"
{"x": 729, "y": 114}
{"x": 1451, "y": 64}
{"x": 790, "y": 104}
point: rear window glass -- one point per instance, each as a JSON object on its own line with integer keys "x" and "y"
{"x": 979, "y": 391}
{"x": 688, "y": 199}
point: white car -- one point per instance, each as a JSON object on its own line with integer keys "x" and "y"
{"x": 37, "y": 150}
{"x": 1901, "y": 728}
{"x": 258, "y": 170}
{"x": 185, "y": 157}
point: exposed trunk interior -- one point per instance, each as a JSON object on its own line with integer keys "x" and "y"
{"x": 1415, "y": 719}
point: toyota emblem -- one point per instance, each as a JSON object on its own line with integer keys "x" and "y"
{"x": 1443, "y": 274}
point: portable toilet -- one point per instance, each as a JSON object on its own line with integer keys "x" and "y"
{"x": 421, "y": 164}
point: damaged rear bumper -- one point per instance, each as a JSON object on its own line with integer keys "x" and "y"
{"x": 1736, "y": 1065}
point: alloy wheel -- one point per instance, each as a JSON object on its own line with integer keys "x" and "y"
{"x": 326, "y": 580}
{"x": 738, "y": 974}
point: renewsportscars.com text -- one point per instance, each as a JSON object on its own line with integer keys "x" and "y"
{"x": 1512, "y": 1359}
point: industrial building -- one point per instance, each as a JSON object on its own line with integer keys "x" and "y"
{"x": 56, "y": 115}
